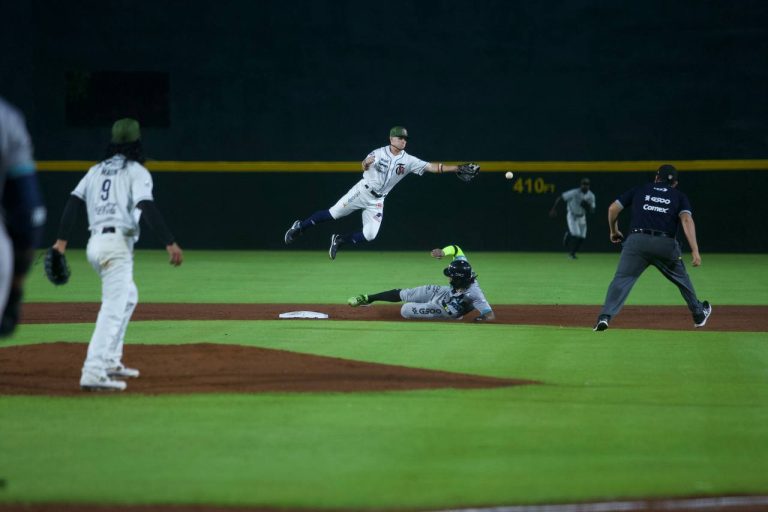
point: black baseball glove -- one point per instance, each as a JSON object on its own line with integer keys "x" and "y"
{"x": 587, "y": 206}
{"x": 467, "y": 172}
{"x": 56, "y": 268}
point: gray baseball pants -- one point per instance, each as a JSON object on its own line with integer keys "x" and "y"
{"x": 640, "y": 251}
{"x": 424, "y": 302}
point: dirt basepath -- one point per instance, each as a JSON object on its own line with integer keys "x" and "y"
{"x": 724, "y": 318}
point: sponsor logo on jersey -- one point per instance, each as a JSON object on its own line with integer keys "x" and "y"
{"x": 400, "y": 169}
{"x": 106, "y": 209}
{"x": 660, "y": 189}
{"x": 426, "y": 311}
{"x": 651, "y": 208}
{"x": 661, "y": 200}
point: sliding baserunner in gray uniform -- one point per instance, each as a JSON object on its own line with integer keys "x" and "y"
{"x": 657, "y": 209}
{"x": 452, "y": 302}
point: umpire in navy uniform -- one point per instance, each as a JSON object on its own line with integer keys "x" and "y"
{"x": 657, "y": 209}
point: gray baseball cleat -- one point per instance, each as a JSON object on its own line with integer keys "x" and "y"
{"x": 293, "y": 232}
{"x": 602, "y": 323}
{"x": 701, "y": 320}
{"x": 335, "y": 244}
{"x": 358, "y": 300}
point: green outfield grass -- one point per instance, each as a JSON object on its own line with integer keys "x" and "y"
{"x": 507, "y": 278}
{"x": 625, "y": 413}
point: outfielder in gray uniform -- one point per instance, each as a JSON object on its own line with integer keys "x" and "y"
{"x": 383, "y": 168}
{"x": 579, "y": 202}
{"x": 429, "y": 302}
{"x": 22, "y": 214}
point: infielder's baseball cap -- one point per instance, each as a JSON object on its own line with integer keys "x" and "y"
{"x": 125, "y": 131}
{"x": 667, "y": 172}
{"x": 398, "y": 131}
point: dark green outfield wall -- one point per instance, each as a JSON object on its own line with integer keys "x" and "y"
{"x": 487, "y": 80}
{"x": 481, "y": 80}
{"x": 253, "y": 210}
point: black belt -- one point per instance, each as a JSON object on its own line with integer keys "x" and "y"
{"x": 653, "y": 232}
{"x": 374, "y": 194}
{"x": 108, "y": 230}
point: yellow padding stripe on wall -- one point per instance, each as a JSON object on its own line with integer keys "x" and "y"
{"x": 497, "y": 166}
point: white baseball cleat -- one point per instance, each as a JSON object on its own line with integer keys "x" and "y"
{"x": 93, "y": 382}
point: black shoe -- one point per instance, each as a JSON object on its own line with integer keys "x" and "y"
{"x": 701, "y": 320}
{"x": 293, "y": 232}
{"x": 572, "y": 256}
{"x": 602, "y": 323}
{"x": 335, "y": 244}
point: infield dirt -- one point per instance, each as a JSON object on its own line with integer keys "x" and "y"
{"x": 724, "y": 318}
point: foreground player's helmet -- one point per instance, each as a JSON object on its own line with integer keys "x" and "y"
{"x": 460, "y": 272}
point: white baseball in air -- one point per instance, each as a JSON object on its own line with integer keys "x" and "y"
{"x": 509, "y": 175}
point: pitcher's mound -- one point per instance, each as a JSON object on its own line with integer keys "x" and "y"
{"x": 54, "y": 369}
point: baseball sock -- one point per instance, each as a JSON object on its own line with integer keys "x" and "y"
{"x": 388, "y": 296}
{"x": 355, "y": 238}
{"x": 316, "y": 218}
{"x": 577, "y": 241}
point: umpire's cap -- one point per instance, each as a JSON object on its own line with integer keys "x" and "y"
{"x": 125, "y": 131}
{"x": 667, "y": 173}
{"x": 398, "y": 131}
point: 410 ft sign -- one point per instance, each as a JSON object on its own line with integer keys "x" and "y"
{"x": 533, "y": 186}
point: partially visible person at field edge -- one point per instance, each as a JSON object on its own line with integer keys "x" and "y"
{"x": 22, "y": 214}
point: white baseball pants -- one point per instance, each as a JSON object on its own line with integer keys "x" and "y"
{"x": 360, "y": 198}
{"x": 577, "y": 225}
{"x": 111, "y": 255}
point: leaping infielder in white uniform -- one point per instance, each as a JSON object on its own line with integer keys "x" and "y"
{"x": 383, "y": 168}
{"x": 116, "y": 192}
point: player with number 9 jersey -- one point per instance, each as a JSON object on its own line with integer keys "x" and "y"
{"x": 111, "y": 190}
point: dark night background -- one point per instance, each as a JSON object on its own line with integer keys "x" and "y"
{"x": 324, "y": 80}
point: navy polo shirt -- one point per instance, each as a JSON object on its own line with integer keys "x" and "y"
{"x": 655, "y": 206}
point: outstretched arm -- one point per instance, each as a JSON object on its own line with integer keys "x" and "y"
{"x": 440, "y": 167}
{"x": 690, "y": 234}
